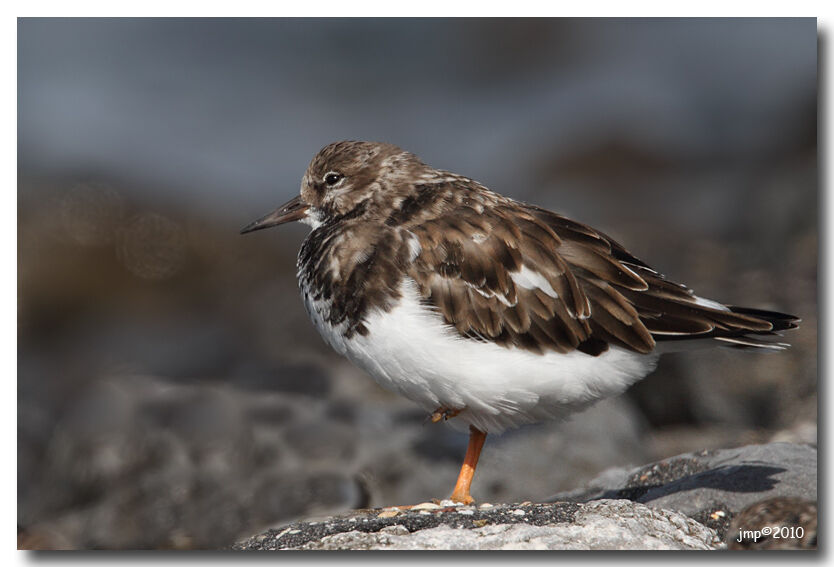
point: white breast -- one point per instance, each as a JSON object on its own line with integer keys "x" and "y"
{"x": 411, "y": 351}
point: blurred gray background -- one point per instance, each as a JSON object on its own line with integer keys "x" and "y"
{"x": 171, "y": 391}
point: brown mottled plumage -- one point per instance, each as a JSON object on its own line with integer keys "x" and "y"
{"x": 471, "y": 241}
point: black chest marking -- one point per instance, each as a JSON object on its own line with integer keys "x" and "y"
{"x": 350, "y": 270}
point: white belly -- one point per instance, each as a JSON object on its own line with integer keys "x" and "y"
{"x": 411, "y": 351}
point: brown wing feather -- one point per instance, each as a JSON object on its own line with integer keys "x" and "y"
{"x": 604, "y": 295}
{"x": 668, "y": 310}
{"x": 465, "y": 270}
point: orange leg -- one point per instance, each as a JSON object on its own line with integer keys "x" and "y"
{"x": 467, "y": 471}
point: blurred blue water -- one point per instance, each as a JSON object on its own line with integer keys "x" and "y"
{"x": 204, "y": 109}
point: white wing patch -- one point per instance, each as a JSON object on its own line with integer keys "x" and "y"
{"x": 530, "y": 279}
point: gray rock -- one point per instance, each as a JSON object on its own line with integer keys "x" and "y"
{"x": 605, "y": 524}
{"x": 711, "y": 486}
{"x": 685, "y": 502}
{"x": 139, "y": 462}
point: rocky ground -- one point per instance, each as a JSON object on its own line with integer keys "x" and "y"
{"x": 605, "y": 524}
{"x": 685, "y": 503}
{"x": 173, "y": 394}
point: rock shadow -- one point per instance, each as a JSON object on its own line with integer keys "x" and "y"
{"x": 729, "y": 478}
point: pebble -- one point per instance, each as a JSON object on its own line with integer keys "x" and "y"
{"x": 395, "y": 530}
{"x": 389, "y": 513}
{"x": 426, "y": 506}
{"x": 518, "y": 512}
{"x": 282, "y": 533}
{"x": 485, "y": 505}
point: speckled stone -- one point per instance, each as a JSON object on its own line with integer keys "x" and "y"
{"x": 605, "y": 524}
{"x": 711, "y": 486}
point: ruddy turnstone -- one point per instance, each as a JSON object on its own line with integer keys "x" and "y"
{"x": 480, "y": 308}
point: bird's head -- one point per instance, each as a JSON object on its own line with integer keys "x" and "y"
{"x": 347, "y": 180}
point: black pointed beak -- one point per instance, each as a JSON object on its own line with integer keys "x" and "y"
{"x": 293, "y": 210}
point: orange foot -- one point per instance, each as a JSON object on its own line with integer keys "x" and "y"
{"x": 467, "y": 471}
{"x": 444, "y": 414}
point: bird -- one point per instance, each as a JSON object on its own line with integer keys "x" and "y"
{"x": 487, "y": 312}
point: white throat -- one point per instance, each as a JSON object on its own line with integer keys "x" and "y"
{"x": 313, "y": 218}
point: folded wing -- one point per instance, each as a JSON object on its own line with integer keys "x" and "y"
{"x": 525, "y": 277}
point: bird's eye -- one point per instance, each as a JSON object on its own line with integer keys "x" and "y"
{"x": 333, "y": 178}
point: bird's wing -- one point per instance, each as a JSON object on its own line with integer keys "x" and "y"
{"x": 522, "y": 276}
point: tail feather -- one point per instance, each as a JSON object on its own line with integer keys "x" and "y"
{"x": 780, "y": 321}
{"x": 740, "y": 335}
{"x": 746, "y": 342}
